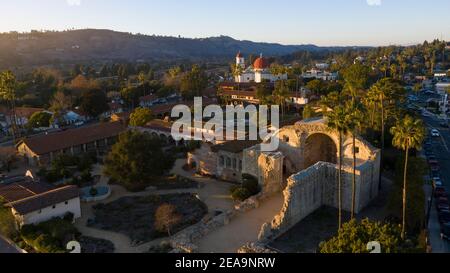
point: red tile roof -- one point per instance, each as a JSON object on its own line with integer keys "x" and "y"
{"x": 148, "y": 98}
{"x": 45, "y": 199}
{"x": 45, "y": 144}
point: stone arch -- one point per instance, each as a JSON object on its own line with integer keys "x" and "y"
{"x": 320, "y": 147}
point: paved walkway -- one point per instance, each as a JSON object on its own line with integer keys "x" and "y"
{"x": 243, "y": 229}
{"x": 213, "y": 193}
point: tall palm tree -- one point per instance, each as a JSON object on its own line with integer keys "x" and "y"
{"x": 356, "y": 115}
{"x": 237, "y": 71}
{"x": 339, "y": 120}
{"x": 385, "y": 90}
{"x": 281, "y": 94}
{"x": 8, "y": 93}
{"x": 408, "y": 134}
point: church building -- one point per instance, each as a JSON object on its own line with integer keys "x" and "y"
{"x": 258, "y": 72}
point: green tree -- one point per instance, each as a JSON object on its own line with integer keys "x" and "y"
{"x": 39, "y": 119}
{"x": 339, "y": 120}
{"x": 308, "y": 112}
{"x": 356, "y": 78}
{"x": 7, "y": 221}
{"x": 281, "y": 94}
{"x": 356, "y": 118}
{"x": 408, "y": 134}
{"x": 316, "y": 86}
{"x": 354, "y": 236}
{"x": 237, "y": 71}
{"x": 263, "y": 93}
{"x": 8, "y": 93}
{"x": 94, "y": 103}
{"x": 135, "y": 159}
{"x": 194, "y": 82}
{"x": 140, "y": 117}
{"x": 385, "y": 91}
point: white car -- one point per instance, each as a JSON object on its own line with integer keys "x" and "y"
{"x": 437, "y": 182}
{"x": 435, "y": 133}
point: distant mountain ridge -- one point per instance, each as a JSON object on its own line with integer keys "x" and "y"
{"x": 39, "y": 48}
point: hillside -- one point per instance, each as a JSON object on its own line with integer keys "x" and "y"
{"x": 40, "y": 48}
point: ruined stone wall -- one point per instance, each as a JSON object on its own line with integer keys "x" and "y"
{"x": 271, "y": 172}
{"x": 250, "y": 161}
{"x": 317, "y": 186}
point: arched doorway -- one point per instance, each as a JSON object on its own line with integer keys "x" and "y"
{"x": 320, "y": 147}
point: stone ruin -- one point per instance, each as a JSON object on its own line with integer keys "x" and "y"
{"x": 305, "y": 169}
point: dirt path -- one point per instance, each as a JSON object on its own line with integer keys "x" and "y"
{"x": 242, "y": 229}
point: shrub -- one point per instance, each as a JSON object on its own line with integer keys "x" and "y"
{"x": 50, "y": 236}
{"x": 240, "y": 194}
{"x": 251, "y": 184}
{"x": 7, "y": 222}
{"x": 93, "y": 191}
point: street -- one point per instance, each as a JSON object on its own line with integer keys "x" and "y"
{"x": 440, "y": 148}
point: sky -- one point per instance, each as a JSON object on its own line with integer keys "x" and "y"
{"x": 320, "y": 22}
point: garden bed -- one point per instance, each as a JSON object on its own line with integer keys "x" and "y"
{"x": 135, "y": 216}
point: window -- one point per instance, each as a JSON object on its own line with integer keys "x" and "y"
{"x": 228, "y": 162}
{"x": 54, "y": 206}
{"x": 40, "y": 211}
{"x": 66, "y": 203}
{"x": 221, "y": 161}
{"x": 286, "y": 139}
{"x": 234, "y": 163}
{"x": 356, "y": 150}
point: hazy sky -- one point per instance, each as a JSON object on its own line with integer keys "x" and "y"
{"x": 321, "y": 22}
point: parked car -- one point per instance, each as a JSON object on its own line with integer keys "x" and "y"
{"x": 432, "y": 159}
{"x": 444, "y": 217}
{"x": 437, "y": 182}
{"x": 445, "y": 231}
{"x": 434, "y": 167}
{"x": 435, "y": 133}
{"x": 442, "y": 204}
{"x": 440, "y": 192}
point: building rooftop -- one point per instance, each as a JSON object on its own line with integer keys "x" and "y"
{"x": 45, "y": 144}
{"x": 29, "y": 196}
{"x": 235, "y": 146}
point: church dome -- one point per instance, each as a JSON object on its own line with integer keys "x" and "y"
{"x": 261, "y": 63}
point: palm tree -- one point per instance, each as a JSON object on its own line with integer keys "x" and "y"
{"x": 385, "y": 91}
{"x": 281, "y": 94}
{"x": 237, "y": 71}
{"x": 339, "y": 120}
{"x": 408, "y": 134}
{"x": 8, "y": 93}
{"x": 356, "y": 116}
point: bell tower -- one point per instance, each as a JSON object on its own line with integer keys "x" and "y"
{"x": 240, "y": 61}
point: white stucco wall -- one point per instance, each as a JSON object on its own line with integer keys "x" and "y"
{"x": 48, "y": 213}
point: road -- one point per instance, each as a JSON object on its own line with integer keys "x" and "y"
{"x": 441, "y": 146}
{"x": 5, "y": 247}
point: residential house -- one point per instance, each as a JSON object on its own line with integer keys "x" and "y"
{"x": 320, "y": 74}
{"x": 33, "y": 202}
{"x": 148, "y": 101}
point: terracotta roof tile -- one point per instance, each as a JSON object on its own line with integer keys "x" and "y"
{"x": 74, "y": 137}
